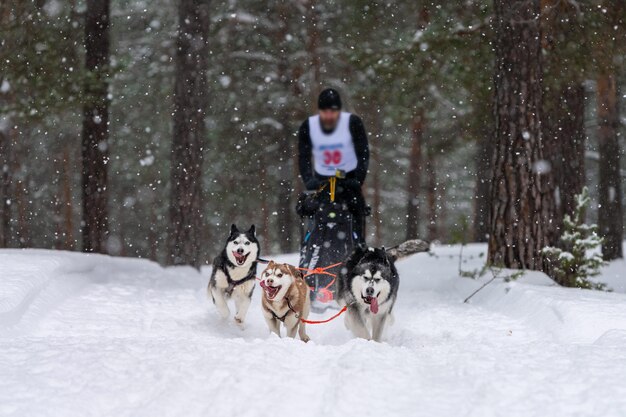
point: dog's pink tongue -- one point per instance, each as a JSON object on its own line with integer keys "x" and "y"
{"x": 373, "y": 304}
{"x": 263, "y": 285}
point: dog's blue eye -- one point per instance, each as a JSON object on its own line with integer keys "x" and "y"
{"x": 236, "y": 242}
{"x": 247, "y": 243}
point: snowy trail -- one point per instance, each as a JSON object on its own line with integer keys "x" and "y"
{"x": 98, "y": 336}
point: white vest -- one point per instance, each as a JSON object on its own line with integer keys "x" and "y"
{"x": 335, "y": 150}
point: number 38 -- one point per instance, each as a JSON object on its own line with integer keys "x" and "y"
{"x": 332, "y": 157}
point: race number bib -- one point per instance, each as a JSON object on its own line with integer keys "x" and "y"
{"x": 335, "y": 150}
{"x": 333, "y": 157}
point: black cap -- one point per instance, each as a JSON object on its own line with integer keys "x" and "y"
{"x": 329, "y": 99}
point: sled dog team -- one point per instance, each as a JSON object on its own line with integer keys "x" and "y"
{"x": 367, "y": 286}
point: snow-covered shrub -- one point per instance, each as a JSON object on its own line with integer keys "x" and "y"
{"x": 579, "y": 257}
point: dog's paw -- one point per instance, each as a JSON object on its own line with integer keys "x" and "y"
{"x": 305, "y": 339}
{"x": 239, "y": 322}
{"x": 224, "y": 313}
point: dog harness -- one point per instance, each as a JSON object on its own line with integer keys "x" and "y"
{"x": 291, "y": 310}
{"x": 232, "y": 284}
{"x": 334, "y": 150}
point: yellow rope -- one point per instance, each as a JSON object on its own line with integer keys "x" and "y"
{"x": 333, "y": 183}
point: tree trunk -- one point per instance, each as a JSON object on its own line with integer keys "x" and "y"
{"x": 563, "y": 111}
{"x": 24, "y": 215}
{"x": 96, "y": 128}
{"x": 5, "y": 189}
{"x": 564, "y": 136}
{"x": 520, "y": 203}
{"x": 286, "y": 205}
{"x": 573, "y": 152}
{"x": 375, "y": 174}
{"x": 414, "y": 177}
{"x": 610, "y": 211}
{"x": 482, "y": 196}
{"x": 376, "y": 198}
{"x": 312, "y": 49}
{"x": 190, "y": 104}
{"x": 68, "y": 213}
{"x": 6, "y": 142}
{"x": 64, "y": 239}
{"x": 431, "y": 196}
{"x": 263, "y": 225}
{"x": 153, "y": 234}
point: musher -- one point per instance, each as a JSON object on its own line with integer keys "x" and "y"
{"x": 333, "y": 144}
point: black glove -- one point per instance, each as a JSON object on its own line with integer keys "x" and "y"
{"x": 312, "y": 184}
{"x": 307, "y": 205}
{"x": 351, "y": 183}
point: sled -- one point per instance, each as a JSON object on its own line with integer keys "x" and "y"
{"x": 327, "y": 240}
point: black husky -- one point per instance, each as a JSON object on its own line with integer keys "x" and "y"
{"x": 234, "y": 272}
{"x": 368, "y": 286}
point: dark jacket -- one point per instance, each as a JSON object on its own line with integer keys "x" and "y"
{"x": 361, "y": 147}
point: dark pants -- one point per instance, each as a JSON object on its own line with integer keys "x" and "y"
{"x": 351, "y": 197}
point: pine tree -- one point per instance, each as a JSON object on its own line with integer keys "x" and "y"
{"x": 520, "y": 202}
{"x": 95, "y": 137}
{"x": 610, "y": 207}
{"x": 414, "y": 176}
{"x": 188, "y": 144}
{"x": 580, "y": 259}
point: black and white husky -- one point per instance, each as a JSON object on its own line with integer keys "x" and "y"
{"x": 368, "y": 286}
{"x": 234, "y": 273}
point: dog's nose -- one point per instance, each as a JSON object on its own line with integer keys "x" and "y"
{"x": 240, "y": 251}
{"x": 369, "y": 291}
{"x": 269, "y": 281}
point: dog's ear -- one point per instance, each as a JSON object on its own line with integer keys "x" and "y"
{"x": 233, "y": 229}
{"x": 359, "y": 252}
{"x": 295, "y": 272}
{"x": 390, "y": 255}
{"x": 252, "y": 230}
{"x": 354, "y": 258}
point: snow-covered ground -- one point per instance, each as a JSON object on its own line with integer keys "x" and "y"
{"x": 89, "y": 335}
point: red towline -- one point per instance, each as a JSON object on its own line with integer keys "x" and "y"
{"x": 324, "y": 271}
